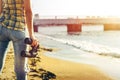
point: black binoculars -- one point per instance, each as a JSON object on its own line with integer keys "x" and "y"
{"x": 31, "y": 53}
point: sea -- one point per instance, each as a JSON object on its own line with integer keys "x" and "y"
{"x": 92, "y": 46}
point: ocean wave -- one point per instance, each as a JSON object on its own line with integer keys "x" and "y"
{"x": 89, "y": 46}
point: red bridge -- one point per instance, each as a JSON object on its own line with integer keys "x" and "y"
{"x": 74, "y": 25}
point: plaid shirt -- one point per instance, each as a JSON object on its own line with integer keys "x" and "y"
{"x": 12, "y": 15}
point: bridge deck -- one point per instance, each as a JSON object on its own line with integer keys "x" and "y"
{"x": 76, "y": 21}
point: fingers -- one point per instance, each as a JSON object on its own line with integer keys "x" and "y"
{"x": 35, "y": 42}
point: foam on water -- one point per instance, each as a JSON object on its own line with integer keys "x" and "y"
{"x": 89, "y": 47}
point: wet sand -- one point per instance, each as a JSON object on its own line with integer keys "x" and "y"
{"x": 64, "y": 70}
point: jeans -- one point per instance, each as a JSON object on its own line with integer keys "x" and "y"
{"x": 17, "y": 37}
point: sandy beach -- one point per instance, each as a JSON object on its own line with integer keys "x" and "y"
{"x": 64, "y": 70}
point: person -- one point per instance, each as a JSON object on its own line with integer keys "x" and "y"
{"x": 15, "y": 18}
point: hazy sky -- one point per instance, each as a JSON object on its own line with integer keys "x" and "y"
{"x": 77, "y": 7}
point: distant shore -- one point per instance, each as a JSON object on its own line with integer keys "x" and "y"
{"x": 64, "y": 70}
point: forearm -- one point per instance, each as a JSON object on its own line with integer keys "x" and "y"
{"x": 0, "y": 6}
{"x": 29, "y": 22}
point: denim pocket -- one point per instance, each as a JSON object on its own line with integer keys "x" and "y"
{"x": 17, "y": 35}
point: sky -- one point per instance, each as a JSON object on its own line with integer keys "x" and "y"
{"x": 76, "y": 7}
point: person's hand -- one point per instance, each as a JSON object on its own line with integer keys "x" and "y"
{"x": 35, "y": 41}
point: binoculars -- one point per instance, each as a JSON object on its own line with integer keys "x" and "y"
{"x": 31, "y": 53}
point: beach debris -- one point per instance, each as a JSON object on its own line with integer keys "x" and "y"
{"x": 46, "y": 75}
{"x": 33, "y": 70}
{"x": 35, "y": 60}
{"x": 47, "y": 49}
{"x": 43, "y": 74}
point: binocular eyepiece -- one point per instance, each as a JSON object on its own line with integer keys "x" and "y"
{"x": 31, "y": 53}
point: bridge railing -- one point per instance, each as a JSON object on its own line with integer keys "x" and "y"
{"x": 76, "y": 21}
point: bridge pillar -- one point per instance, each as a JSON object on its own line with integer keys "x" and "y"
{"x": 35, "y": 27}
{"x": 111, "y": 27}
{"x": 74, "y": 28}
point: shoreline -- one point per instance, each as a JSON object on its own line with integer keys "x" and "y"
{"x": 64, "y": 70}
{"x": 68, "y": 70}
